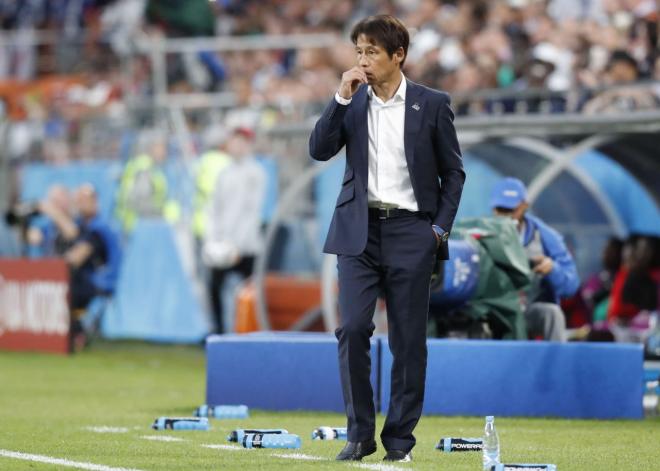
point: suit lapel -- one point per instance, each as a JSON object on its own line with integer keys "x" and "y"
{"x": 413, "y": 120}
{"x": 361, "y": 120}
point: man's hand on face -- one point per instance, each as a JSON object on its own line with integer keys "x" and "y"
{"x": 542, "y": 265}
{"x": 351, "y": 81}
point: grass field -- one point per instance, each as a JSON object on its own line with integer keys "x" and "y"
{"x": 97, "y": 407}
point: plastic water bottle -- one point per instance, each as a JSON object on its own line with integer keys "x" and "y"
{"x": 222, "y": 412}
{"x": 330, "y": 433}
{"x": 271, "y": 440}
{"x": 653, "y": 340}
{"x": 181, "y": 423}
{"x": 238, "y": 434}
{"x": 491, "y": 446}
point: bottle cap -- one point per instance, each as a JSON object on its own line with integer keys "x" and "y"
{"x": 490, "y": 418}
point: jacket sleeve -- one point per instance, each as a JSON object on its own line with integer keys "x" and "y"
{"x": 563, "y": 278}
{"x": 450, "y": 167}
{"x": 328, "y": 136}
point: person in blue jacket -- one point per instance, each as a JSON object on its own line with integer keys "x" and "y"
{"x": 94, "y": 256}
{"x": 554, "y": 273}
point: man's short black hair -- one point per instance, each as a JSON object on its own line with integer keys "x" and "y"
{"x": 385, "y": 31}
{"x": 620, "y": 55}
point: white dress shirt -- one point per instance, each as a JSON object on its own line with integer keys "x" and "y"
{"x": 389, "y": 179}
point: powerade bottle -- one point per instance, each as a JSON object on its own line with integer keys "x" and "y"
{"x": 491, "y": 445}
{"x": 222, "y": 412}
{"x": 238, "y": 434}
{"x": 271, "y": 440}
{"x": 181, "y": 423}
{"x": 449, "y": 444}
{"x": 330, "y": 433}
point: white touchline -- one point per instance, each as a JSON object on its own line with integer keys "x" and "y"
{"x": 106, "y": 429}
{"x": 162, "y": 438}
{"x": 379, "y": 467}
{"x": 297, "y": 456}
{"x": 60, "y": 462}
{"x": 226, "y": 447}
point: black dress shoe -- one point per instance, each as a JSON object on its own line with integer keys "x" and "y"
{"x": 399, "y": 456}
{"x": 355, "y": 451}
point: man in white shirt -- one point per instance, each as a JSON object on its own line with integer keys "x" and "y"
{"x": 400, "y": 193}
{"x": 233, "y": 230}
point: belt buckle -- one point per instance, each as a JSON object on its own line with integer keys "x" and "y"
{"x": 387, "y": 213}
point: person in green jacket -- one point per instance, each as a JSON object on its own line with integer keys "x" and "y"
{"x": 143, "y": 189}
{"x": 210, "y": 164}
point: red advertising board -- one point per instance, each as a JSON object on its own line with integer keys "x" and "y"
{"x": 34, "y": 312}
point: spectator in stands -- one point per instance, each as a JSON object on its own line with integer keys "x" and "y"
{"x": 462, "y": 44}
{"x": 586, "y": 311}
{"x": 555, "y": 274}
{"x": 233, "y": 226}
{"x": 19, "y": 19}
{"x": 622, "y": 70}
{"x": 187, "y": 18}
{"x": 181, "y": 18}
{"x": 121, "y": 23}
{"x": 636, "y": 285}
{"x": 643, "y": 284}
{"x": 143, "y": 189}
{"x": 597, "y": 288}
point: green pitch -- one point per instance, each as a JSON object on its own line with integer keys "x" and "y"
{"x": 97, "y": 407}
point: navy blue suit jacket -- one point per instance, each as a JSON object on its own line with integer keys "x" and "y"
{"x": 432, "y": 152}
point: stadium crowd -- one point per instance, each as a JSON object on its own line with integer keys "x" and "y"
{"x": 93, "y": 60}
{"x": 561, "y": 52}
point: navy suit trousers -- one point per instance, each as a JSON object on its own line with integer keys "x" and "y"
{"x": 397, "y": 262}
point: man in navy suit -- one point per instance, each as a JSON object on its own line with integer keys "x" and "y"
{"x": 400, "y": 193}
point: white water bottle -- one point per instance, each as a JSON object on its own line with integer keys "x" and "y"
{"x": 491, "y": 446}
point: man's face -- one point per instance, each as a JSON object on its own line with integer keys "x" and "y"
{"x": 516, "y": 213}
{"x": 374, "y": 60}
{"x": 239, "y": 146}
{"x": 86, "y": 202}
{"x": 59, "y": 196}
{"x": 622, "y": 72}
{"x": 159, "y": 151}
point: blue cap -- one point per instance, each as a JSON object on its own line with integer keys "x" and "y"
{"x": 508, "y": 193}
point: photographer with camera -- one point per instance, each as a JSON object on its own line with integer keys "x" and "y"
{"x": 40, "y": 235}
{"x": 87, "y": 243}
{"x": 94, "y": 254}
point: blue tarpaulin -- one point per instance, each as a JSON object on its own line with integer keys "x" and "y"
{"x": 154, "y": 298}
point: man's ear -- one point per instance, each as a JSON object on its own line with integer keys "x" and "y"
{"x": 399, "y": 55}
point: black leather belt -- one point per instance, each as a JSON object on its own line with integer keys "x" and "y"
{"x": 388, "y": 213}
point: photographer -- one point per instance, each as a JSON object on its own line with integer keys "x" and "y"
{"x": 87, "y": 243}
{"x": 94, "y": 252}
{"x": 40, "y": 235}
